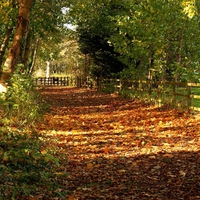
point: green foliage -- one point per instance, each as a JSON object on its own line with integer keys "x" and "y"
{"x": 127, "y": 93}
{"x": 94, "y": 30}
{"x": 160, "y": 31}
{"x": 128, "y": 74}
{"x": 25, "y": 166}
{"x": 162, "y": 35}
{"x": 22, "y": 104}
{"x": 46, "y": 26}
{"x": 107, "y": 87}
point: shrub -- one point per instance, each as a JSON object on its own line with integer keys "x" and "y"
{"x": 22, "y": 104}
{"x": 126, "y": 93}
{"x": 107, "y": 87}
{"x": 26, "y": 167}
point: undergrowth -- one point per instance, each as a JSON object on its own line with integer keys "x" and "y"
{"x": 22, "y": 104}
{"x": 26, "y": 167}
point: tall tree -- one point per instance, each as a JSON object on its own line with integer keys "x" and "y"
{"x": 4, "y": 44}
{"x": 22, "y": 28}
{"x": 165, "y": 32}
{"x": 47, "y": 29}
{"x": 162, "y": 36}
{"x": 46, "y": 25}
{"x": 94, "y": 28}
{"x": 8, "y": 14}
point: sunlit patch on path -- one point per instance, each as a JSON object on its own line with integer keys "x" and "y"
{"x": 114, "y": 148}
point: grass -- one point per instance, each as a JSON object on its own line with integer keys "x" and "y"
{"x": 195, "y": 102}
{"x": 194, "y": 91}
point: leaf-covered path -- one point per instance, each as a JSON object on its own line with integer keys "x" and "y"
{"x": 114, "y": 148}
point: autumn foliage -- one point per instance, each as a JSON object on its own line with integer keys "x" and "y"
{"x": 92, "y": 145}
{"x": 114, "y": 148}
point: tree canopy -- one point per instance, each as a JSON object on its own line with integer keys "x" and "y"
{"x": 160, "y": 36}
{"x": 131, "y": 37}
{"x": 44, "y": 30}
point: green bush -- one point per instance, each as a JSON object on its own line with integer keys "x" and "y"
{"x": 127, "y": 93}
{"x": 107, "y": 87}
{"x": 22, "y": 104}
{"x": 26, "y": 168}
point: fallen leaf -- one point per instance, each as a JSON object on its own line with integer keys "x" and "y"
{"x": 70, "y": 198}
{"x": 89, "y": 166}
{"x": 182, "y": 173}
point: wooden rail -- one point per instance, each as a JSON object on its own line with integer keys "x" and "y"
{"x": 177, "y": 94}
{"x": 81, "y": 82}
{"x": 53, "y": 81}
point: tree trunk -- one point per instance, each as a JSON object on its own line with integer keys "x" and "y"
{"x": 27, "y": 51}
{"x": 33, "y": 58}
{"x": 22, "y": 27}
{"x": 4, "y": 46}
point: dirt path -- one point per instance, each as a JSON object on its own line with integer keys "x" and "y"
{"x": 112, "y": 148}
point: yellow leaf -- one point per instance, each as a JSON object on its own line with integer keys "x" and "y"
{"x": 80, "y": 136}
{"x": 182, "y": 173}
{"x": 44, "y": 152}
{"x": 121, "y": 170}
{"x": 134, "y": 164}
{"x": 89, "y": 166}
{"x": 152, "y": 157}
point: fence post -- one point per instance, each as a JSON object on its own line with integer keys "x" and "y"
{"x": 158, "y": 94}
{"x": 188, "y": 97}
{"x": 140, "y": 88}
{"x": 98, "y": 83}
{"x": 71, "y": 81}
{"x": 78, "y": 81}
{"x": 173, "y": 93}
{"x": 149, "y": 89}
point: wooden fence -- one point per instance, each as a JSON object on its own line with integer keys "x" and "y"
{"x": 182, "y": 95}
{"x": 66, "y": 81}
{"x": 55, "y": 81}
{"x": 178, "y": 94}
